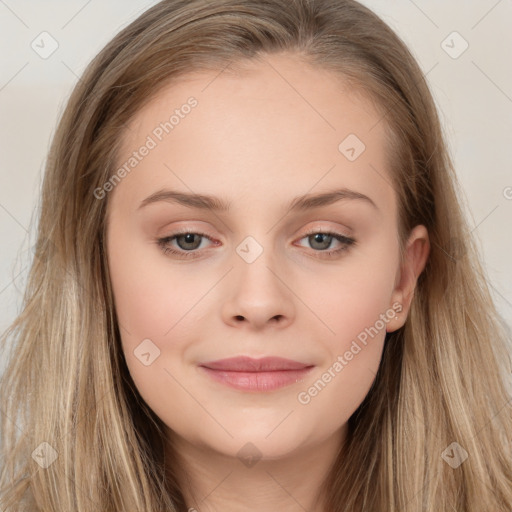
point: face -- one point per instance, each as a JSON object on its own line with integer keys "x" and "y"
{"x": 264, "y": 271}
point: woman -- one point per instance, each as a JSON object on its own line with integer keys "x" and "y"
{"x": 255, "y": 370}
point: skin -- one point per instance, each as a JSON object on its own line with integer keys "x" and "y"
{"x": 257, "y": 142}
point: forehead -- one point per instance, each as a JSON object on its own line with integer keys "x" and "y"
{"x": 268, "y": 127}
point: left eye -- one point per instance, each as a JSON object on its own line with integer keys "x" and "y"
{"x": 321, "y": 241}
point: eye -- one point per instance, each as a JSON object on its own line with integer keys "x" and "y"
{"x": 187, "y": 243}
{"x": 321, "y": 241}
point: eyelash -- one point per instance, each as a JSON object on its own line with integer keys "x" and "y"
{"x": 163, "y": 243}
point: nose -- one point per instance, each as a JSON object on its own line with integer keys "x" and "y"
{"x": 259, "y": 296}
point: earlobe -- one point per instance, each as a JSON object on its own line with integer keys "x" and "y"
{"x": 416, "y": 255}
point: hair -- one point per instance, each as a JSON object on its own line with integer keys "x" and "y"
{"x": 442, "y": 377}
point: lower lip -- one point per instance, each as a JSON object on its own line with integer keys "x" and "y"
{"x": 257, "y": 381}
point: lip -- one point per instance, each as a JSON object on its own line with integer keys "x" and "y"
{"x": 249, "y": 364}
{"x": 264, "y": 374}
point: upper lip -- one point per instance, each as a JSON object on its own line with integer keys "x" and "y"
{"x": 248, "y": 364}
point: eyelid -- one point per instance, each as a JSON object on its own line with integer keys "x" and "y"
{"x": 325, "y": 231}
{"x": 164, "y": 241}
{"x": 345, "y": 240}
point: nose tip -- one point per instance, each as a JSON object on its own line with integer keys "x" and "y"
{"x": 258, "y": 300}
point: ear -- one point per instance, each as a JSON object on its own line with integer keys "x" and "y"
{"x": 415, "y": 258}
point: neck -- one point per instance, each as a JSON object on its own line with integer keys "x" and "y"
{"x": 213, "y": 481}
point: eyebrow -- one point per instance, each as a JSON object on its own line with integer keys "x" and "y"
{"x": 301, "y": 203}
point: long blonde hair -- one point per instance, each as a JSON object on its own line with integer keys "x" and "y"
{"x": 76, "y": 435}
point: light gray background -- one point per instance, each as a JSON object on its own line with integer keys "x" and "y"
{"x": 473, "y": 93}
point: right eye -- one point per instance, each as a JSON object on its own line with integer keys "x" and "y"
{"x": 187, "y": 243}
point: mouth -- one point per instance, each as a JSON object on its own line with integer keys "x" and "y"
{"x": 248, "y": 374}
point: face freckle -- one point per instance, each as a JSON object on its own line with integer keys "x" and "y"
{"x": 243, "y": 182}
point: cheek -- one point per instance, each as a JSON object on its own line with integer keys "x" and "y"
{"x": 151, "y": 298}
{"x": 353, "y": 303}
{"x": 337, "y": 389}
{"x": 155, "y": 306}
{"x": 353, "y": 353}
{"x": 350, "y": 298}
